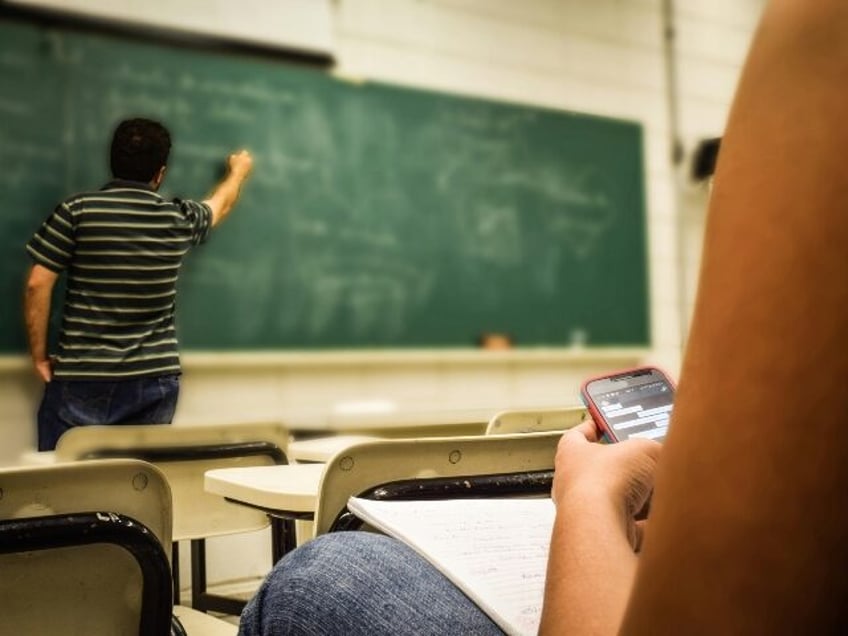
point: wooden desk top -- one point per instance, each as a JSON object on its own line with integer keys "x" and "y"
{"x": 413, "y": 419}
{"x": 290, "y": 488}
{"x": 321, "y": 449}
{"x": 401, "y": 418}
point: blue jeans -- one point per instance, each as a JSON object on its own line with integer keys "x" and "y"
{"x": 360, "y": 584}
{"x": 69, "y": 403}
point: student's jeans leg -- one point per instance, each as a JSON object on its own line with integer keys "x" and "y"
{"x": 69, "y": 403}
{"x": 360, "y": 584}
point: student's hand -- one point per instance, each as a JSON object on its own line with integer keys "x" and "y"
{"x": 619, "y": 474}
{"x": 240, "y": 163}
{"x": 44, "y": 369}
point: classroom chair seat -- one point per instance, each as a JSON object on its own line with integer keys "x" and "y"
{"x": 184, "y": 454}
{"x": 84, "y": 550}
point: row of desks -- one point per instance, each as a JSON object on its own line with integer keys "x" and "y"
{"x": 291, "y": 491}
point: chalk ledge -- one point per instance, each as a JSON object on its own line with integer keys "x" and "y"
{"x": 378, "y": 357}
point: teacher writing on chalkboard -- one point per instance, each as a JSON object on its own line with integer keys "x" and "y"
{"x": 121, "y": 246}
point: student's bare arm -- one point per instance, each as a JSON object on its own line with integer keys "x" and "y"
{"x": 598, "y": 490}
{"x": 37, "y": 296}
{"x": 225, "y": 195}
{"x": 748, "y": 531}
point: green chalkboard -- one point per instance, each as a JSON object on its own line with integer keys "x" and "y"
{"x": 377, "y": 216}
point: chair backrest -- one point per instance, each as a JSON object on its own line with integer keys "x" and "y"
{"x": 442, "y": 460}
{"x": 530, "y": 421}
{"x": 85, "y": 549}
{"x": 184, "y": 454}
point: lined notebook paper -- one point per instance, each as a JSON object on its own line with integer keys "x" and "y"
{"x": 494, "y": 550}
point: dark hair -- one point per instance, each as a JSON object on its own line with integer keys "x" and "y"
{"x": 140, "y": 148}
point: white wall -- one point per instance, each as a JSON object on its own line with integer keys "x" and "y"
{"x": 712, "y": 39}
{"x": 595, "y": 56}
{"x": 299, "y": 25}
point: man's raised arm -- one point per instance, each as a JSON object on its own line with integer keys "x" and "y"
{"x": 225, "y": 195}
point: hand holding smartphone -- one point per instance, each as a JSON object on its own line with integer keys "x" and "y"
{"x": 632, "y": 403}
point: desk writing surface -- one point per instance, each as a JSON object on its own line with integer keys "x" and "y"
{"x": 404, "y": 418}
{"x": 322, "y": 449}
{"x": 377, "y": 216}
{"x": 287, "y": 488}
{"x": 411, "y": 419}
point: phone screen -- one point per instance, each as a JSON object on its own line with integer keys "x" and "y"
{"x": 633, "y": 404}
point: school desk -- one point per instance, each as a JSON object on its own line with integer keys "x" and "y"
{"x": 320, "y": 449}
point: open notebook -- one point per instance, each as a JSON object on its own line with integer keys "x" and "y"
{"x": 494, "y": 550}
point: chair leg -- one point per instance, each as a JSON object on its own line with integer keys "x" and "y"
{"x": 175, "y": 570}
{"x": 198, "y": 573}
{"x": 283, "y": 540}
{"x": 201, "y": 599}
{"x": 283, "y": 537}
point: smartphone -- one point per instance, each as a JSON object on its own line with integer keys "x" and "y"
{"x": 632, "y": 403}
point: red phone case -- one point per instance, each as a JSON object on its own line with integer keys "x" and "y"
{"x": 593, "y": 408}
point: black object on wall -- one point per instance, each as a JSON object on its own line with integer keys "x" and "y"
{"x": 704, "y": 159}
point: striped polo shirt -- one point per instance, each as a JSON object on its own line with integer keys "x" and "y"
{"x": 122, "y": 247}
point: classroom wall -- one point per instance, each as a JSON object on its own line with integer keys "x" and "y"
{"x": 595, "y": 56}
{"x": 301, "y": 25}
{"x": 604, "y": 57}
{"x": 713, "y": 38}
